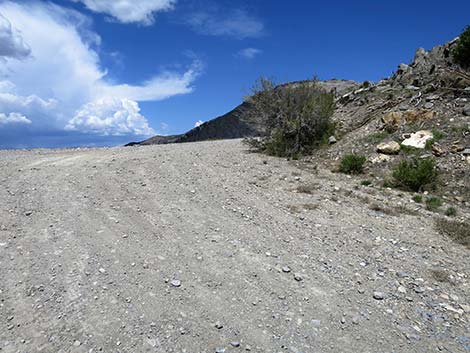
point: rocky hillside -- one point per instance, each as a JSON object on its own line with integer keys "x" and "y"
{"x": 237, "y": 123}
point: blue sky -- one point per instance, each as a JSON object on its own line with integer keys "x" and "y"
{"x": 106, "y": 72}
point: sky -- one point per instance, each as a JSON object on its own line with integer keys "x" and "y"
{"x": 106, "y": 72}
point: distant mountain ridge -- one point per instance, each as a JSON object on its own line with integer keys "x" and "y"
{"x": 236, "y": 123}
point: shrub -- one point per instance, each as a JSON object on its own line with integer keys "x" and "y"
{"x": 352, "y": 164}
{"x": 296, "y": 119}
{"x": 366, "y": 183}
{"x": 418, "y": 198}
{"x": 457, "y": 231}
{"x": 415, "y": 174}
{"x": 433, "y": 203}
{"x": 451, "y": 212}
{"x": 461, "y": 53}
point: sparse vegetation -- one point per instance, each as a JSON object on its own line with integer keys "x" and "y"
{"x": 451, "y": 212}
{"x": 296, "y": 119}
{"x": 457, "y": 231}
{"x": 352, "y": 164}
{"x": 378, "y": 136}
{"x": 461, "y": 53}
{"x": 418, "y": 198}
{"x": 437, "y": 136}
{"x": 307, "y": 188}
{"x": 415, "y": 174}
{"x": 433, "y": 203}
{"x": 366, "y": 183}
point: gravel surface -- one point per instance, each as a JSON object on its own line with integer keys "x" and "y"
{"x": 204, "y": 247}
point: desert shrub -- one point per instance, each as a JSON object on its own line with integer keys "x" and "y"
{"x": 415, "y": 174}
{"x": 352, "y": 164}
{"x": 461, "y": 52}
{"x": 296, "y": 119}
{"x": 366, "y": 183}
{"x": 418, "y": 198}
{"x": 457, "y": 231}
{"x": 433, "y": 203}
{"x": 451, "y": 212}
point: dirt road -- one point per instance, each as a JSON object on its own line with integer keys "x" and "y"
{"x": 204, "y": 247}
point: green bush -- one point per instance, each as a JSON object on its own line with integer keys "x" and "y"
{"x": 461, "y": 53}
{"x": 451, "y": 212}
{"x": 418, "y": 198}
{"x": 433, "y": 203}
{"x": 352, "y": 164}
{"x": 366, "y": 183}
{"x": 415, "y": 174}
{"x": 296, "y": 118}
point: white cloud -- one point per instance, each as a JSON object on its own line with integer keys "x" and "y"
{"x": 249, "y": 53}
{"x": 111, "y": 117}
{"x": 237, "y": 23}
{"x": 12, "y": 44}
{"x": 13, "y": 118}
{"x": 130, "y": 11}
{"x": 198, "y": 123}
{"x": 64, "y": 77}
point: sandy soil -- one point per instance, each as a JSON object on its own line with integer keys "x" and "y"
{"x": 204, "y": 247}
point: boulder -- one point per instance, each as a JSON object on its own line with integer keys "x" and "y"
{"x": 418, "y": 139}
{"x": 332, "y": 140}
{"x": 391, "y": 147}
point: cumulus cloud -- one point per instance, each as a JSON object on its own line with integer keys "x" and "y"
{"x": 64, "y": 78}
{"x": 110, "y": 117}
{"x": 237, "y": 23}
{"x": 198, "y": 123}
{"x": 13, "y": 118}
{"x": 249, "y": 53}
{"x": 130, "y": 11}
{"x": 12, "y": 44}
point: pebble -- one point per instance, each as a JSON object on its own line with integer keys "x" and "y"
{"x": 286, "y": 269}
{"x": 175, "y": 283}
{"x": 379, "y": 296}
{"x": 218, "y": 325}
{"x": 298, "y": 277}
{"x": 235, "y": 344}
{"x": 220, "y": 350}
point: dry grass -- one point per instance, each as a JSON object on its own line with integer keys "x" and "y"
{"x": 459, "y": 232}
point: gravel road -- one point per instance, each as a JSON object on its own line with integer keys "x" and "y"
{"x": 204, "y": 247}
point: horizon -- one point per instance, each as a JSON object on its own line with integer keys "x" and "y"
{"x": 82, "y": 73}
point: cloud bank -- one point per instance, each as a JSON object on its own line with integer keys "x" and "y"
{"x": 62, "y": 86}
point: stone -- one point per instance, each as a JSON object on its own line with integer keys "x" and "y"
{"x": 437, "y": 150}
{"x": 218, "y": 325}
{"x": 418, "y": 139}
{"x": 379, "y": 296}
{"x": 235, "y": 344}
{"x": 380, "y": 158}
{"x": 220, "y": 350}
{"x": 456, "y": 148}
{"x": 286, "y": 269}
{"x": 391, "y": 147}
{"x": 413, "y": 116}
{"x": 466, "y": 152}
{"x": 298, "y": 277}
{"x": 28, "y": 213}
{"x": 428, "y": 105}
{"x": 332, "y": 140}
{"x": 175, "y": 283}
{"x": 466, "y": 110}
